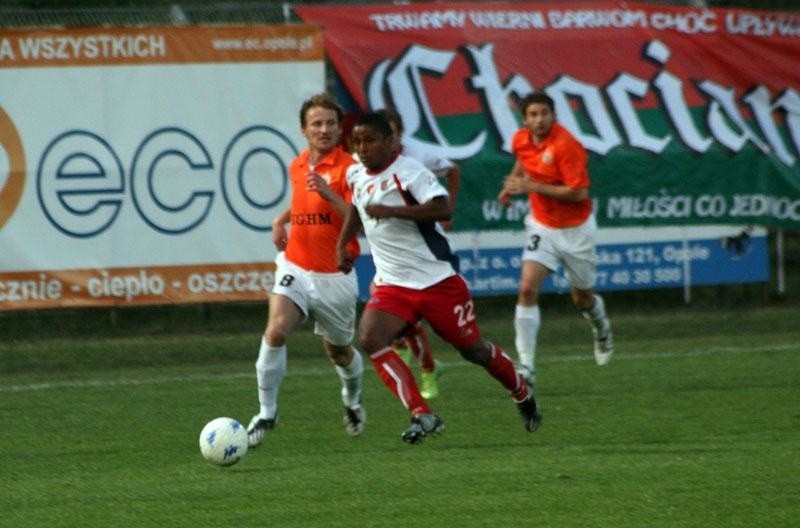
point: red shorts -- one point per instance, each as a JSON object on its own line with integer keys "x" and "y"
{"x": 447, "y": 306}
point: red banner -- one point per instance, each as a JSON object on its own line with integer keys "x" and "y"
{"x": 591, "y": 41}
{"x": 678, "y": 106}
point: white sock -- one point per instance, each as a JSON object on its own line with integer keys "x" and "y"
{"x": 527, "y": 320}
{"x": 270, "y": 368}
{"x": 597, "y": 315}
{"x": 351, "y": 380}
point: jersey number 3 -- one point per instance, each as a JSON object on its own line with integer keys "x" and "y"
{"x": 533, "y": 244}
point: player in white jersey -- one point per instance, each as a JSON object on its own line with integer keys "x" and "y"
{"x": 406, "y": 253}
{"x": 415, "y": 340}
{"x": 398, "y": 202}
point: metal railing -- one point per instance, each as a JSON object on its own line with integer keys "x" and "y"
{"x": 220, "y": 13}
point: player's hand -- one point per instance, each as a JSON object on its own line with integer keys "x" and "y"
{"x": 316, "y": 183}
{"x": 447, "y": 225}
{"x": 517, "y": 185}
{"x": 280, "y": 236}
{"x": 504, "y": 198}
{"x": 344, "y": 260}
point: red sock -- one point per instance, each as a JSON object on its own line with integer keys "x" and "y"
{"x": 396, "y": 375}
{"x": 417, "y": 340}
{"x": 502, "y": 369}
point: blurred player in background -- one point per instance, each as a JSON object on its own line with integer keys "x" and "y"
{"x": 416, "y": 338}
{"x": 307, "y": 281}
{"x": 398, "y": 202}
{"x": 551, "y": 168}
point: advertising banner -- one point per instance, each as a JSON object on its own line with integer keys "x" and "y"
{"x": 628, "y": 259}
{"x": 145, "y": 165}
{"x": 691, "y": 116}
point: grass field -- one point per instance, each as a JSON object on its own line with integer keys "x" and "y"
{"x": 695, "y": 423}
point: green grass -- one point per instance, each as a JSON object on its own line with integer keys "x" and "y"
{"x": 695, "y": 423}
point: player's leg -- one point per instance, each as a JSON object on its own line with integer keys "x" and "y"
{"x": 403, "y": 349}
{"x": 399, "y": 344}
{"x": 452, "y": 316}
{"x": 377, "y": 328}
{"x": 417, "y": 339}
{"x": 376, "y": 331}
{"x": 350, "y": 369}
{"x": 593, "y": 309}
{"x": 539, "y": 259}
{"x": 284, "y": 315}
{"x": 500, "y": 367}
{"x": 580, "y": 261}
{"x": 333, "y": 306}
{"x": 497, "y": 363}
{"x": 527, "y": 317}
{"x": 288, "y": 306}
{"x": 418, "y": 342}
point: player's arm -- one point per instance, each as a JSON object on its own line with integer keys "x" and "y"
{"x": 316, "y": 183}
{"x": 280, "y": 235}
{"x": 453, "y": 184}
{"x": 350, "y": 228}
{"x": 512, "y": 184}
{"x": 520, "y": 182}
{"x": 436, "y": 209}
{"x": 564, "y": 193}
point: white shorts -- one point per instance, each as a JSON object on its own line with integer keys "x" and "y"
{"x": 570, "y": 247}
{"x": 330, "y": 298}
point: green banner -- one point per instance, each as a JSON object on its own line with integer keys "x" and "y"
{"x": 633, "y": 187}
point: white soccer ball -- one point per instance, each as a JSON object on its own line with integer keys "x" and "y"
{"x": 223, "y": 441}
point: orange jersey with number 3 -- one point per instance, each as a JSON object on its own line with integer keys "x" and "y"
{"x": 315, "y": 224}
{"x": 558, "y": 160}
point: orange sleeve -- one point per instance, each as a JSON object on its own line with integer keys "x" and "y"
{"x": 572, "y": 163}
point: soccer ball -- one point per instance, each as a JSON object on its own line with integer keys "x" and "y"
{"x": 223, "y": 441}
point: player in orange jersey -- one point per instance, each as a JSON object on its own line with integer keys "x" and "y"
{"x": 307, "y": 281}
{"x": 551, "y": 168}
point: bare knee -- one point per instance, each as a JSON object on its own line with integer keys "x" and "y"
{"x": 376, "y": 330}
{"x": 277, "y": 332}
{"x": 339, "y": 355}
{"x": 478, "y": 352}
{"x": 583, "y": 299}
{"x": 528, "y": 294}
{"x": 370, "y": 340}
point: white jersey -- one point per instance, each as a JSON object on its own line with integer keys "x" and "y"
{"x": 406, "y": 253}
{"x": 439, "y": 166}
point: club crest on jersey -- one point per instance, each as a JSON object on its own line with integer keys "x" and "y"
{"x": 547, "y": 157}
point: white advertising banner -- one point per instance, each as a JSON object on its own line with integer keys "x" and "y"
{"x": 145, "y": 166}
